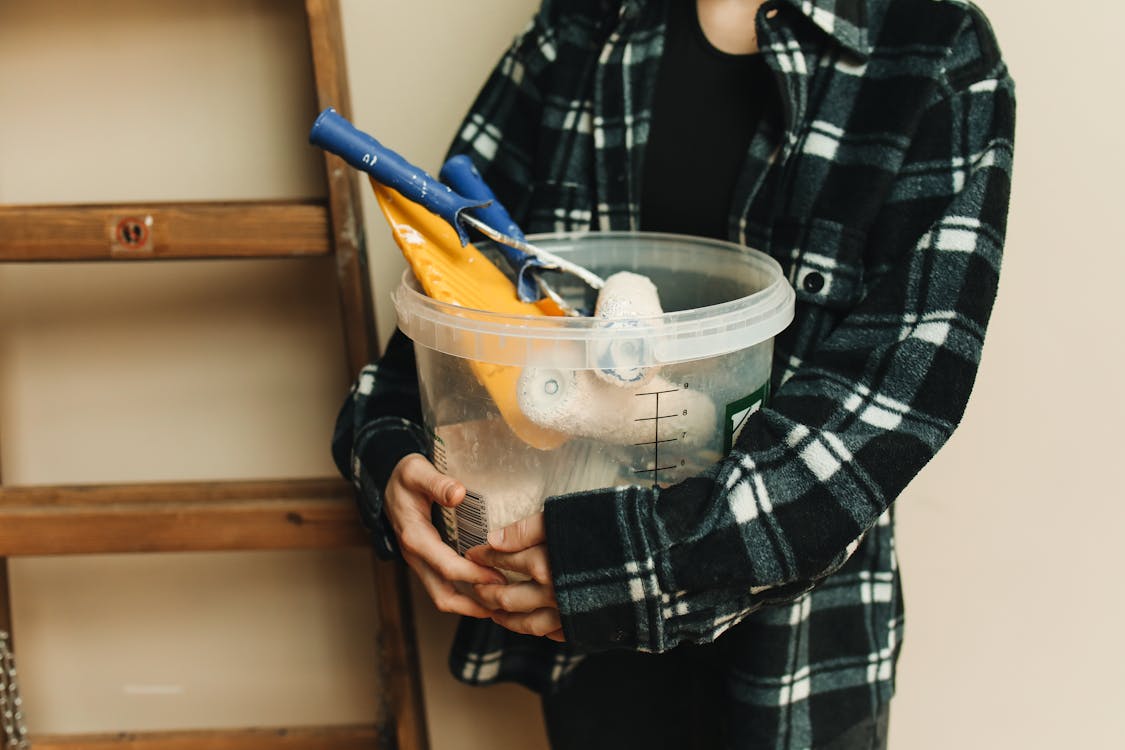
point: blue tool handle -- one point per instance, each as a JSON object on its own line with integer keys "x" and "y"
{"x": 335, "y": 134}
{"x": 461, "y": 175}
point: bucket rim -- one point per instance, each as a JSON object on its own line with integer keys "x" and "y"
{"x": 755, "y": 317}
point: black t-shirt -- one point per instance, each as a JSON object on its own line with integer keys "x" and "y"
{"x": 707, "y": 105}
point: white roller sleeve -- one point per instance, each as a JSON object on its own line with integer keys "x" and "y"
{"x": 626, "y": 297}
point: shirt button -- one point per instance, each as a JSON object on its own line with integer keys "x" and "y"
{"x": 813, "y": 282}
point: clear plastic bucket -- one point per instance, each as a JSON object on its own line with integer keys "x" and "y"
{"x": 521, "y": 408}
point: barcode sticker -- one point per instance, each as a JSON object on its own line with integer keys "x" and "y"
{"x": 471, "y": 525}
{"x": 466, "y": 525}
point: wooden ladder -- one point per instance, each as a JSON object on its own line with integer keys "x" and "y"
{"x": 224, "y": 515}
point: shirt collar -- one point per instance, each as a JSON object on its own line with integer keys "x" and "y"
{"x": 843, "y": 20}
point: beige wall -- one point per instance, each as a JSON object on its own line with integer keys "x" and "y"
{"x": 1008, "y": 539}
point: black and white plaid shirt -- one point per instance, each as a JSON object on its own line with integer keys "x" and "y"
{"x": 884, "y": 197}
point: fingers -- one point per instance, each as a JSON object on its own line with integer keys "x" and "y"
{"x": 422, "y": 541}
{"x": 413, "y": 487}
{"x": 516, "y": 597}
{"x": 531, "y": 562}
{"x": 527, "y": 532}
{"x": 542, "y": 622}
{"x": 444, "y": 596}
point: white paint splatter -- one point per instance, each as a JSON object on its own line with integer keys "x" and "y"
{"x": 409, "y": 234}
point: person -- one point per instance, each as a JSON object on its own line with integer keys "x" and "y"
{"x": 867, "y": 146}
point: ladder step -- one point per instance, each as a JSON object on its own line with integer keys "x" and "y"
{"x": 178, "y": 517}
{"x": 310, "y": 738}
{"x": 154, "y": 231}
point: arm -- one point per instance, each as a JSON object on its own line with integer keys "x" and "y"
{"x": 842, "y": 436}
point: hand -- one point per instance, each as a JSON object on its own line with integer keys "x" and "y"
{"x": 527, "y": 606}
{"x": 414, "y": 486}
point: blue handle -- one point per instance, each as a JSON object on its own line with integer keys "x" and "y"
{"x": 336, "y": 135}
{"x": 460, "y": 174}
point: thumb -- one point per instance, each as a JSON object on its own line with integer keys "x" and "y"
{"x": 524, "y": 533}
{"x": 444, "y": 490}
{"x": 421, "y": 476}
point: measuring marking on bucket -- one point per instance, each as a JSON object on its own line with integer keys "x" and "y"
{"x": 656, "y": 439}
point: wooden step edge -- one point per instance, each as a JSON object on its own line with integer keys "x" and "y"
{"x": 73, "y": 495}
{"x": 354, "y": 737}
{"x": 168, "y": 231}
{"x": 166, "y": 518}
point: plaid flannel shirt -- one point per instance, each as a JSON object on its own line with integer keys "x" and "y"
{"x": 884, "y": 197}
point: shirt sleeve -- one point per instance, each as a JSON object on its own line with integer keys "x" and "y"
{"x": 841, "y": 437}
{"x": 501, "y": 133}
{"x": 379, "y": 424}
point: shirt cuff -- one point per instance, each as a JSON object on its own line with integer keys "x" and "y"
{"x": 599, "y": 544}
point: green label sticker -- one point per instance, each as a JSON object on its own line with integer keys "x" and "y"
{"x": 738, "y": 412}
